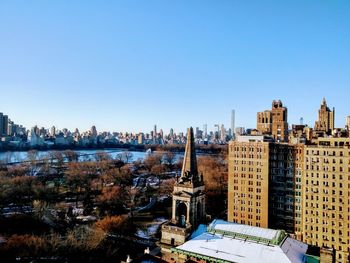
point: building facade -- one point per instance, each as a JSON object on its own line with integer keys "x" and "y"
{"x": 326, "y": 196}
{"x": 325, "y": 122}
{"x": 261, "y": 183}
{"x": 274, "y": 122}
{"x": 303, "y": 189}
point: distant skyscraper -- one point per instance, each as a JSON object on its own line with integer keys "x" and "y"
{"x": 53, "y": 131}
{"x": 196, "y": 135}
{"x": 11, "y": 128}
{"x": 325, "y": 122}
{"x": 239, "y": 130}
{"x": 274, "y": 122}
{"x": 223, "y": 133}
{"x": 141, "y": 138}
{"x": 77, "y": 131}
{"x": 155, "y": 134}
{"x": 93, "y": 131}
{"x": 171, "y": 133}
{"x": 233, "y": 124}
{"x": 279, "y": 121}
{"x": 5, "y": 124}
{"x": 1, "y": 123}
{"x": 205, "y": 130}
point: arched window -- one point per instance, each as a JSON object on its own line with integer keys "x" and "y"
{"x": 181, "y": 214}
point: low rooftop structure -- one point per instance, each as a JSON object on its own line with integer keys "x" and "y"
{"x": 230, "y": 242}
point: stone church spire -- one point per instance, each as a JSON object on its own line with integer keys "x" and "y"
{"x": 188, "y": 208}
{"x": 189, "y": 166}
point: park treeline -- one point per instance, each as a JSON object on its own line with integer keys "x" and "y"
{"x": 69, "y": 211}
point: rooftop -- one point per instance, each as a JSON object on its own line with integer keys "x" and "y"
{"x": 231, "y": 242}
{"x": 259, "y": 234}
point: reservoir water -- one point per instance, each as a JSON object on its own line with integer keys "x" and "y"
{"x": 19, "y": 156}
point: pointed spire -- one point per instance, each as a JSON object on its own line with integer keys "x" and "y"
{"x": 190, "y": 160}
{"x": 324, "y": 101}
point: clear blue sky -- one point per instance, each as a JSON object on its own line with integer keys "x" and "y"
{"x": 127, "y": 65}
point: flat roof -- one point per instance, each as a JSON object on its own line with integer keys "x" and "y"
{"x": 218, "y": 248}
{"x": 258, "y": 234}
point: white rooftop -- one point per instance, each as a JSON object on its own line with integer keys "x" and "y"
{"x": 253, "y": 231}
{"x": 230, "y": 242}
{"x": 239, "y": 251}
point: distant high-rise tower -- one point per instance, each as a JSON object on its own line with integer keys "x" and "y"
{"x": 325, "y": 122}
{"x": 197, "y": 133}
{"x": 155, "y": 134}
{"x": 279, "y": 121}
{"x": 53, "y": 131}
{"x": 233, "y": 124}
{"x": 274, "y": 122}
{"x": 348, "y": 123}
{"x": 223, "y": 133}
{"x": 205, "y": 130}
{"x": 5, "y": 124}
{"x": 1, "y": 123}
{"x": 93, "y": 131}
{"x": 141, "y": 138}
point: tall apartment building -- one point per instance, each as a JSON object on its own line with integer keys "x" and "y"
{"x": 261, "y": 183}
{"x": 274, "y": 122}
{"x": 326, "y": 196}
{"x": 1, "y": 123}
{"x": 298, "y": 158}
{"x": 5, "y": 122}
{"x": 325, "y": 122}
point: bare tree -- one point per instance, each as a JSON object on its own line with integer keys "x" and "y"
{"x": 102, "y": 156}
{"x": 71, "y": 156}
{"x": 125, "y": 156}
{"x": 169, "y": 158}
{"x": 32, "y": 156}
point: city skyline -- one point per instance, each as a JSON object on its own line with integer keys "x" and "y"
{"x": 128, "y": 66}
{"x": 214, "y": 128}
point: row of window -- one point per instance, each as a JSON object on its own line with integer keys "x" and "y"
{"x": 326, "y": 176}
{"x": 250, "y": 149}
{"x": 327, "y": 168}
{"x": 325, "y": 153}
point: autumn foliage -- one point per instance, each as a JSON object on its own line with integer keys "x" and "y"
{"x": 113, "y": 224}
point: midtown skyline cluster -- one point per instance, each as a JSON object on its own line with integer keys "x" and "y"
{"x": 14, "y": 136}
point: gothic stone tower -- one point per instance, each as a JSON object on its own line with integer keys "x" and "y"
{"x": 325, "y": 122}
{"x": 274, "y": 121}
{"x": 188, "y": 208}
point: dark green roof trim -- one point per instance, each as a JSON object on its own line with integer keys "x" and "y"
{"x": 275, "y": 241}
